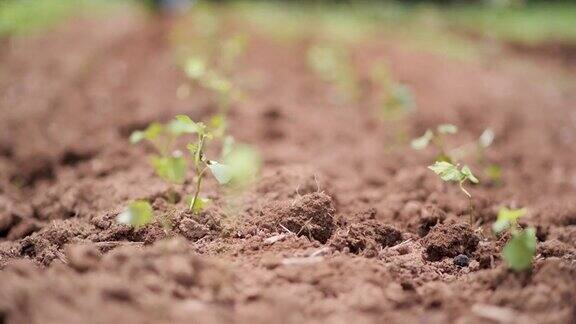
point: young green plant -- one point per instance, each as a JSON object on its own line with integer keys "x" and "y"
{"x": 213, "y": 72}
{"x": 396, "y": 99}
{"x": 449, "y": 172}
{"x": 521, "y": 248}
{"x": 333, "y": 65}
{"x": 168, "y": 162}
{"x": 137, "y": 214}
{"x": 492, "y": 171}
{"x": 436, "y": 138}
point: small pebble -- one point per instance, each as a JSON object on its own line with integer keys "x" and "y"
{"x": 461, "y": 260}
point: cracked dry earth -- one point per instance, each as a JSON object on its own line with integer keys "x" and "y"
{"x": 345, "y": 224}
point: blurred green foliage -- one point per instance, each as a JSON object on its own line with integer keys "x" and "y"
{"x": 22, "y": 17}
{"x": 428, "y": 24}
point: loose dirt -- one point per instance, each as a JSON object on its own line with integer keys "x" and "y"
{"x": 346, "y": 224}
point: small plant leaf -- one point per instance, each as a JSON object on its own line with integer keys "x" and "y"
{"x": 506, "y": 218}
{"x": 487, "y": 138}
{"x": 138, "y": 213}
{"x": 447, "y": 129}
{"x": 520, "y": 250}
{"x": 182, "y": 124}
{"x": 422, "y": 142}
{"x": 443, "y": 157}
{"x": 447, "y": 171}
{"x": 217, "y": 83}
{"x": 150, "y": 133}
{"x": 227, "y": 146}
{"x": 220, "y": 171}
{"x": 243, "y": 162}
{"x": 232, "y": 49}
{"x": 195, "y": 68}
{"x": 137, "y": 136}
{"x": 468, "y": 174}
{"x": 170, "y": 168}
{"x": 402, "y": 97}
{"x": 494, "y": 172}
{"x": 218, "y": 125}
{"x": 192, "y": 147}
{"x": 199, "y": 205}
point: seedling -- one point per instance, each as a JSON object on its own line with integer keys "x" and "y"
{"x": 138, "y": 214}
{"x": 168, "y": 162}
{"x": 231, "y": 50}
{"x": 226, "y": 93}
{"x": 436, "y": 138}
{"x": 333, "y": 65}
{"x": 211, "y": 68}
{"x": 491, "y": 170}
{"x": 521, "y": 248}
{"x": 449, "y": 172}
{"x": 396, "y": 99}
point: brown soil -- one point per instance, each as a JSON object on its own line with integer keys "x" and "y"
{"x": 346, "y": 223}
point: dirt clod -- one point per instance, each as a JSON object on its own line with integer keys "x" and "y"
{"x": 366, "y": 237}
{"x": 449, "y": 240}
{"x": 311, "y": 215}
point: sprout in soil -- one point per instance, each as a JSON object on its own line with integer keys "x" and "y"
{"x": 436, "y": 138}
{"x": 333, "y": 65}
{"x": 521, "y": 248}
{"x": 492, "y": 171}
{"x": 396, "y": 99}
{"x": 137, "y": 214}
{"x": 449, "y": 172}
{"x": 171, "y": 165}
{"x": 213, "y": 71}
{"x": 168, "y": 162}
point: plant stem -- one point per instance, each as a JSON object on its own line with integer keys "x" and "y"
{"x": 197, "y": 192}
{"x": 470, "y": 203}
{"x": 199, "y": 173}
{"x": 471, "y": 211}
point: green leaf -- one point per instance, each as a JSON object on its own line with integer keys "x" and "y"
{"x": 182, "y": 124}
{"x": 468, "y": 174}
{"x": 507, "y": 217}
{"x": 244, "y": 163}
{"x": 218, "y": 125}
{"x": 494, "y": 172}
{"x": 138, "y": 214}
{"x": 422, "y": 142}
{"x": 172, "y": 168}
{"x": 192, "y": 147}
{"x": 520, "y": 250}
{"x": 200, "y": 204}
{"x": 150, "y": 133}
{"x": 447, "y": 129}
{"x": 217, "y": 83}
{"x": 195, "y": 68}
{"x": 232, "y": 49}
{"x": 202, "y": 129}
{"x": 227, "y": 146}
{"x": 447, "y": 171}
{"x": 401, "y": 98}
{"x": 486, "y": 139}
{"x": 220, "y": 171}
{"x": 137, "y": 136}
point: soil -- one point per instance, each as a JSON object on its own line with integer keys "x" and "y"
{"x": 346, "y": 224}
